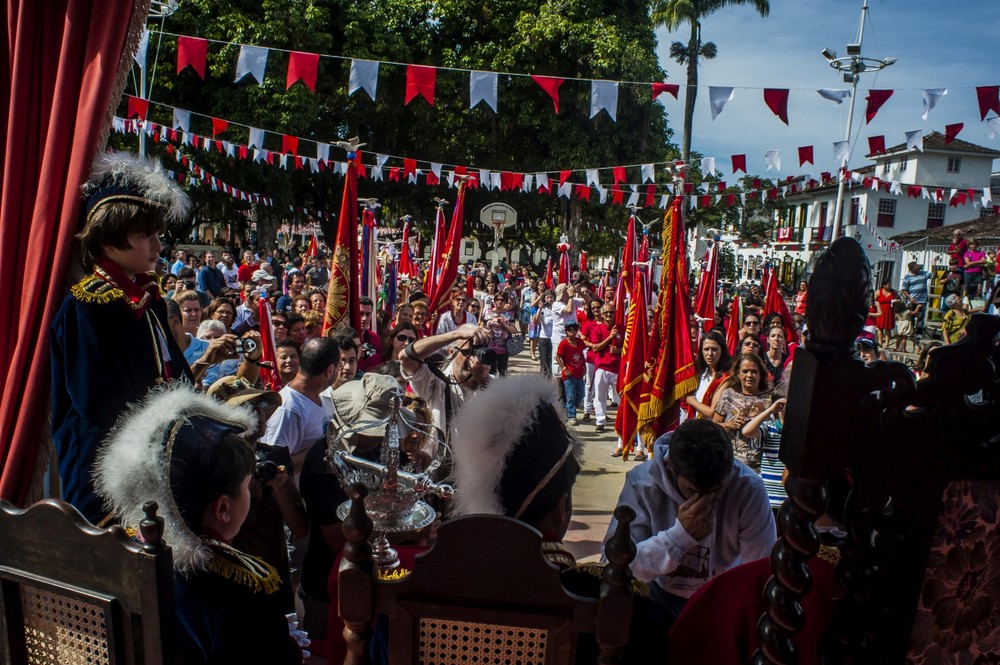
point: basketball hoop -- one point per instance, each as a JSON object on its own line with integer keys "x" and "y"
{"x": 499, "y": 216}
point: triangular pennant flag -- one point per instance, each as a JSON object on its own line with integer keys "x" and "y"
{"x": 483, "y": 88}
{"x": 566, "y": 189}
{"x": 409, "y": 166}
{"x": 633, "y": 199}
{"x": 841, "y": 152}
{"x": 648, "y": 173}
{"x": 951, "y": 131}
{"x": 602, "y": 194}
{"x": 182, "y": 120}
{"x": 718, "y": 97}
{"x": 993, "y": 127}
{"x": 302, "y": 67}
{"x": 707, "y": 165}
{"x": 618, "y": 174}
{"x": 219, "y": 126}
{"x": 772, "y": 159}
{"x": 542, "y": 180}
{"x": 669, "y": 88}
{"x": 496, "y": 178}
{"x": 915, "y": 140}
{"x": 739, "y": 163}
{"x": 604, "y": 95}
{"x": 551, "y": 86}
{"x": 592, "y": 178}
{"x": 989, "y": 100}
{"x": 876, "y": 145}
{"x": 322, "y": 152}
{"x": 140, "y": 52}
{"x": 663, "y": 201}
{"x": 256, "y": 139}
{"x": 931, "y": 97}
{"x": 252, "y": 61}
{"x": 875, "y": 98}
{"x": 777, "y": 100}
{"x": 192, "y": 51}
{"x": 420, "y": 80}
{"x": 583, "y": 192}
{"x": 564, "y": 176}
{"x": 485, "y": 178}
{"x": 289, "y": 144}
{"x": 137, "y": 107}
{"x": 364, "y": 76}
{"x": 987, "y": 197}
{"x": 806, "y": 155}
{"x": 834, "y": 95}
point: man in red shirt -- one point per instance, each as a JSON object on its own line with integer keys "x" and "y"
{"x": 588, "y": 317}
{"x": 601, "y": 338}
{"x": 573, "y": 368}
{"x": 248, "y": 268}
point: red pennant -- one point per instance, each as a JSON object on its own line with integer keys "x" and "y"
{"x": 564, "y": 176}
{"x": 689, "y": 188}
{"x": 461, "y": 170}
{"x": 619, "y": 174}
{"x": 517, "y": 181}
{"x": 137, "y": 107}
{"x": 777, "y": 100}
{"x": 219, "y": 126}
{"x": 806, "y": 155}
{"x": 192, "y": 51}
{"x": 951, "y": 131}
{"x": 243, "y": 152}
{"x": 394, "y": 173}
{"x": 302, "y": 67}
{"x": 739, "y": 163}
{"x": 420, "y": 80}
{"x": 650, "y": 195}
{"x": 876, "y": 145}
{"x": 505, "y": 178}
{"x": 772, "y": 193}
{"x": 876, "y": 98}
{"x": 433, "y": 179}
{"x": 730, "y": 200}
{"x": 669, "y": 88}
{"x": 219, "y": 148}
{"x": 705, "y": 201}
{"x": 755, "y": 183}
{"x": 551, "y": 86}
{"x": 989, "y": 100}
{"x": 289, "y": 144}
{"x": 617, "y": 196}
{"x": 583, "y": 191}
{"x": 409, "y": 167}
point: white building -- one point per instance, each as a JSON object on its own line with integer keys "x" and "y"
{"x": 900, "y": 192}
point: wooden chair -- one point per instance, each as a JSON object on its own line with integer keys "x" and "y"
{"x": 483, "y": 594}
{"x": 73, "y": 593}
{"x": 923, "y": 460}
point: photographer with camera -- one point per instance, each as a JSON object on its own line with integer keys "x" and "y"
{"x": 201, "y": 354}
{"x": 446, "y": 383}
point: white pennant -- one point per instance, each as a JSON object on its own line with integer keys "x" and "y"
{"x": 954, "y": 191}
{"x": 314, "y": 165}
{"x": 284, "y": 161}
{"x": 182, "y": 120}
{"x": 229, "y": 148}
{"x": 495, "y": 180}
{"x": 592, "y": 178}
{"x": 987, "y": 197}
{"x": 896, "y": 188}
{"x": 633, "y": 199}
{"x": 528, "y": 180}
{"x": 931, "y": 97}
{"x": 993, "y": 127}
{"x": 743, "y": 198}
{"x": 915, "y": 140}
{"x": 707, "y": 165}
{"x": 118, "y": 124}
{"x": 253, "y": 61}
{"x": 841, "y": 151}
{"x": 436, "y": 170}
{"x": 140, "y": 53}
{"x": 412, "y": 178}
{"x": 648, "y": 173}
{"x": 925, "y": 193}
{"x": 663, "y": 201}
{"x": 323, "y": 152}
{"x": 692, "y": 201}
{"x": 834, "y": 95}
{"x": 483, "y": 88}
{"x": 604, "y": 95}
{"x": 602, "y": 194}
{"x": 718, "y": 97}
{"x": 364, "y": 76}
{"x": 257, "y": 155}
{"x": 542, "y": 179}
{"x": 377, "y": 175}
{"x": 380, "y": 160}
{"x": 772, "y": 159}
{"x": 340, "y": 168}
{"x": 484, "y": 179}
{"x": 256, "y": 138}
{"x": 566, "y": 189}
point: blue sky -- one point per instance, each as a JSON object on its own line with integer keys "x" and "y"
{"x": 937, "y": 45}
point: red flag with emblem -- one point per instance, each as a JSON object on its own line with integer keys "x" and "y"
{"x": 632, "y": 370}
{"x": 342, "y": 306}
{"x": 440, "y": 294}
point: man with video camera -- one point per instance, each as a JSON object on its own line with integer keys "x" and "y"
{"x": 446, "y": 382}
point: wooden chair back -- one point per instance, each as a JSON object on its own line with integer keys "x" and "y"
{"x": 73, "y": 593}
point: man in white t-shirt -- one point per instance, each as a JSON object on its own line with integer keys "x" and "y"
{"x": 301, "y": 418}
{"x": 230, "y": 271}
{"x": 347, "y": 370}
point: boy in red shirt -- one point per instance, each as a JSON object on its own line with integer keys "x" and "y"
{"x": 573, "y": 368}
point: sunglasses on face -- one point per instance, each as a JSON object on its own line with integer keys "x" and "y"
{"x": 405, "y": 339}
{"x": 753, "y": 323}
{"x": 278, "y": 324}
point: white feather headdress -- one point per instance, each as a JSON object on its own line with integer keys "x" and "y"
{"x": 117, "y": 176}
{"x": 487, "y": 429}
{"x": 132, "y": 465}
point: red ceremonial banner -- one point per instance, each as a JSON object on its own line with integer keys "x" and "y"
{"x": 631, "y": 371}
{"x": 440, "y": 295}
{"x": 342, "y": 306}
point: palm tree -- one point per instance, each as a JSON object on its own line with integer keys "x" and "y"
{"x": 671, "y": 14}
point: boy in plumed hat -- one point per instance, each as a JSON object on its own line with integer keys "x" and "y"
{"x": 110, "y": 341}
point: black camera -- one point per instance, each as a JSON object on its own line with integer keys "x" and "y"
{"x": 245, "y": 345}
{"x": 265, "y": 467}
{"x": 483, "y": 354}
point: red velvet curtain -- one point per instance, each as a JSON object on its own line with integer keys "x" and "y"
{"x": 66, "y": 63}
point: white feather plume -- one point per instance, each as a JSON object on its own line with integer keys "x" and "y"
{"x": 486, "y": 431}
{"x": 132, "y": 467}
{"x": 145, "y": 174}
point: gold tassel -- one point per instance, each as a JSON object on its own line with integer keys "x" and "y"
{"x": 243, "y": 569}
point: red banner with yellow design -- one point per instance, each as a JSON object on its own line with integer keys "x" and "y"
{"x": 440, "y": 294}
{"x": 342, "y": 306}
{"x": 632, "y": 368}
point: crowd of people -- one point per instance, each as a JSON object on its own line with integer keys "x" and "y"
{"x": 237, "y": 443}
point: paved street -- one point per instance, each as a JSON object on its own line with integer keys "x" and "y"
{"x": 598, "y": 485}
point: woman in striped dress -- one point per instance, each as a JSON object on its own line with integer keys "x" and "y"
{"x": 766, "y": 428}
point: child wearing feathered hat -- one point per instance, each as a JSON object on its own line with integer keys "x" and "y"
{"x": 110, "y": 342}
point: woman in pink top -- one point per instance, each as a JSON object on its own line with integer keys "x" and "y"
{"x": 973, "y": 260}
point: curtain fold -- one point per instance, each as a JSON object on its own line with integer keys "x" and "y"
{"x": 65, "y": 70}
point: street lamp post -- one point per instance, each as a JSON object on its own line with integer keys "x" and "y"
{"x": 852, "y": 65}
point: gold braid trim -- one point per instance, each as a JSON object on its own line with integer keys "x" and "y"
{"x": 639, "y": 588}
{"x": 243, "y": 569}
{"x": 391, "y": 575}
{"x": 829, "y": 554}
{"x": 93, "y": 289}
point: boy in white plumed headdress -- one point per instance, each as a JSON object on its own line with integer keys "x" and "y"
{"x": 189, "y": 453}
{"x": 110, "y": 342}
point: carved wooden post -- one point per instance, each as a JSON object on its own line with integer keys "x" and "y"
{"x": 356, "y": 579}
{"x": 615, "y": 611}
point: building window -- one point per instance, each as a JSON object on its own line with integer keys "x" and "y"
{"x": 885, "y": 167}
{"x": 954, "y": 165}
{"x": 855, "y": 211}
{"x": 995, "y": 184}
{"x": 824, "y": 209}
{"x": 470, "y": 248}
{"x": 986, "y": 212}
{"x": 935, "y": 215}
{"x": 887, "y": 212}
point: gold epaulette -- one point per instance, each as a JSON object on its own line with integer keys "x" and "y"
{"x": 639, "y": 588}
{"x": 829, "y": 554}
{"x": 243, "y": 569}
{"x": 94, "y": 289}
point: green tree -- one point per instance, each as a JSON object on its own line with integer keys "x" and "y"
{"x": 672, "y": 14}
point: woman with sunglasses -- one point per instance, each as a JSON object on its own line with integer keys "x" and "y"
{"x": 499, "y": 321}
{"x": 457, "y": 316}
{"x": 398, "y": 339}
